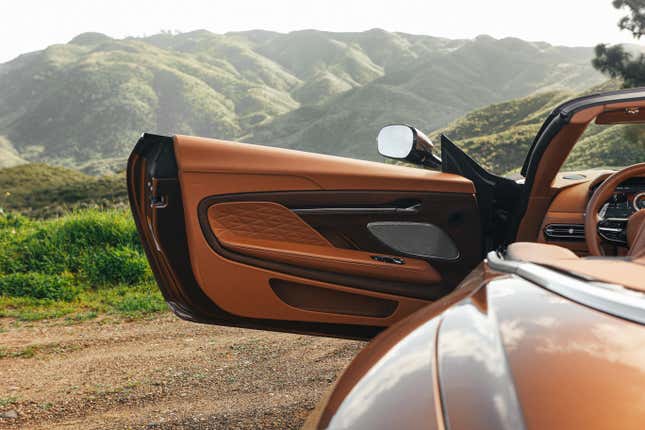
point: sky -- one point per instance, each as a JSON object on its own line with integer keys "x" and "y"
{"x": 29, "y": 25}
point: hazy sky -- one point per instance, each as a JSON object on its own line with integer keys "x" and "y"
{"x": 28, "y": 25}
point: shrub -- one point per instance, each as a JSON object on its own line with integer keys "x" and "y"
{"x": 12, "y": 220}
{"x": 56, "y": 246}
{"x": 93, "y": 228}
{"x": 111, "y": 266}
{"x": 38, "y": 286}
{"x": 78, "y": 265}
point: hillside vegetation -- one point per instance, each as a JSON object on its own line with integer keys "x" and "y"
{"x": 83, "y": 104}
{"x": 41, "y": 191}
{"x": 77, "y": 265}
{"x": 499, "y": 136}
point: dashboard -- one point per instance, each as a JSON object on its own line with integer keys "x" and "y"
{"x": 563, "y": 224}
{"x": 628, "y": 198}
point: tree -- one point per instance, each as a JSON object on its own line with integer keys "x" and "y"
{"x": 614, "y": 60}
{"x": 635, "y": 21}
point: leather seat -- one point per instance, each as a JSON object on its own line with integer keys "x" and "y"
{"x": 636, "y": 235}
{"x": 540, "y": 253}
{"x": 627, "y": 272}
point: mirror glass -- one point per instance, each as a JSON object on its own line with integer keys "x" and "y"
{"x": 395, "y": 141}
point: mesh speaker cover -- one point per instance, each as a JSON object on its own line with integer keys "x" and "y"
{"x": 415, "y": 239}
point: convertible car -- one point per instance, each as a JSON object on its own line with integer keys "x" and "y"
{"x": 494, "y": 303}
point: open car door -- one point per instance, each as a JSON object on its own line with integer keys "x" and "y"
{"x": 259, "y": 237}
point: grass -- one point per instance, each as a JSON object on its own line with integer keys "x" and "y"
{"x": 127, "y": 301}
{"x": 7, "y": 401}
{"x": 77, "y": 267}
{"x": 42, "y": 191}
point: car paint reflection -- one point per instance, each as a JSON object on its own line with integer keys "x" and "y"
{"x": 553, "y": 345}
{"x": 383, "y": 398}
{"x": 476, "y": 384}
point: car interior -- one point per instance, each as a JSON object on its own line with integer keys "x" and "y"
{"x": 589, "y": 223}
{"x": 256, "y": 236}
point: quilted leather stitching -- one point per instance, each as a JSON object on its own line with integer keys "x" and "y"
{"x": 262, "y": 220}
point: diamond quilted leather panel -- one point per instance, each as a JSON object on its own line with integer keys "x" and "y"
{"x": 261, "y": 220}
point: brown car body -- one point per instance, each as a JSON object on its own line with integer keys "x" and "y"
{"x": 533, "y": 336}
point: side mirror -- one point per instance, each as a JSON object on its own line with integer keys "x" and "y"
{"x": 403, "y": 142}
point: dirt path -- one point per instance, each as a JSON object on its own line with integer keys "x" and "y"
{"x": 161, "y": 373}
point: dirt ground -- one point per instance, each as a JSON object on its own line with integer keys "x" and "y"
{"x": 161, "y": 373}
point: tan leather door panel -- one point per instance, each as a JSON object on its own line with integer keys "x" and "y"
{"x": 253, "y": 165}
{"x": 271, "y": 231}
{"x": 275, "y": 239}
{"x": 270, "y": 234}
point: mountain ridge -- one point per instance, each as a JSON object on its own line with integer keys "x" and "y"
{"x": 86, "y": 101}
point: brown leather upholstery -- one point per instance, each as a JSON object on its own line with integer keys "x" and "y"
{"x": 304, "y": 170}
{"x": 599, "y": 198}
{"x": 538, "y": 252}
{"x": 636, "y": 234}
{"x": 631, "y": 274}
{"x": 336, "y": 260}
{"x": 542, "y": 192}
{"x": 210, "y": 167}
{"x": 552, "y": 160}
{"x": 621, "y": 116}
{"x": 261, "y": 220}
{"x": 272, "y": 232}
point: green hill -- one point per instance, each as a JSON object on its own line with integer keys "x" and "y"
{"x": 43, "y": 191}
{"x": 83, "y": 104}
{"x": 430, "y": 92}
{"x": 499, "y": 136}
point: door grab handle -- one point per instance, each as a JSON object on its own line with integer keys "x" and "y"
{"x": 412, "y": 209}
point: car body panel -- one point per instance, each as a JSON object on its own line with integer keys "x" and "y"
{"x": 573, "y": 367}
{"x": 382, "y": 351}
{"x": 511, "y": 354}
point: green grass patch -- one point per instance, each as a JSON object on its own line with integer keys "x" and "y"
{"x": 38, "y": 286}
{"x": 77, "y": 267}
{"x": 7, "y": 401}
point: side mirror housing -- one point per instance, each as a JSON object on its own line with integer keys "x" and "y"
{"x": 403, "y": 142}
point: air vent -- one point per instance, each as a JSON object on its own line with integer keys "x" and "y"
{"x": 572, "y": 232}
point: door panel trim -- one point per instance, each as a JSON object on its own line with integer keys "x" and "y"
{"x": 403, "y": 289}
{"x": 214, "y": 156}
{"x": 463, "y": 203}
{"x": 170, "y": 260}
{"x": 411, "y": 209}
{"x": 311, "y": 298}
{"x": 421, "y": 239}
{"x": 272, "y": 232}
{"x": 208, "y": 167}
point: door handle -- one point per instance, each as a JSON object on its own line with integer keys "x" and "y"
{"x": 412, "y": 209}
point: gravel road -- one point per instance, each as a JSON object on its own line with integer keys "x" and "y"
{"x": 161, "y": 373}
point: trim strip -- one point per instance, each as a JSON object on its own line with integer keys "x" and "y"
{"x": 358, "y": 210}
{"x": 609, "y": 298}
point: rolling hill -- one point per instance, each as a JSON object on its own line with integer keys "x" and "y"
{"x": 498, "y": 136}
{"x": 43, "y": 191}
{"x": 84, "y": 103}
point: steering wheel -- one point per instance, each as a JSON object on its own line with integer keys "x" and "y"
{"x": 633, "y": 229}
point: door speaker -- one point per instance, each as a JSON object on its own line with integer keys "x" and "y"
{"x": 415, "y": 239}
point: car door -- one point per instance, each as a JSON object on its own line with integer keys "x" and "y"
{"x": 261, "y": 237}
